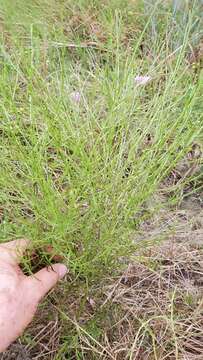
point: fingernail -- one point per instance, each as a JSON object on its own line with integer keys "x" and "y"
{"x": 62, "y": 270}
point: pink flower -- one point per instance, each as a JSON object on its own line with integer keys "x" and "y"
{"x": 75, "y": 97}
{"x": 142, "y": 80}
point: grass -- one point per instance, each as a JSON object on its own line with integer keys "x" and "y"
{"x": 152, "y": 310}
{"x": 84, "y": 148}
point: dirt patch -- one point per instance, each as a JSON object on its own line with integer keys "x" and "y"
{"x": 182, "y": 224}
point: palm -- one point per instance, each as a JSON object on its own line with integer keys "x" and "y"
{"x": 19, "y": 294}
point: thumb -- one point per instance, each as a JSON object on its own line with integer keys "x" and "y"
{"x": 45, "y": 279}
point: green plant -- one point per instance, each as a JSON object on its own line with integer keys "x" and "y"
{"x": 83, "y": 146}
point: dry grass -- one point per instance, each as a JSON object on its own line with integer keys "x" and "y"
{"x": 160, "y": 296}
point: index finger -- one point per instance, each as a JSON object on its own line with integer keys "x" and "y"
{"x": 12, "y": 251}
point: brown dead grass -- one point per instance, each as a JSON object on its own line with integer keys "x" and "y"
{"x": 161, "y": 300}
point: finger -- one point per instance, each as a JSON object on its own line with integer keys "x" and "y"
{"x": 45, "y": 279}
{"x": 12, "y": 251}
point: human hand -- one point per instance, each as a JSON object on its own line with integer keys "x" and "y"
{"x": 20, "y": 294}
